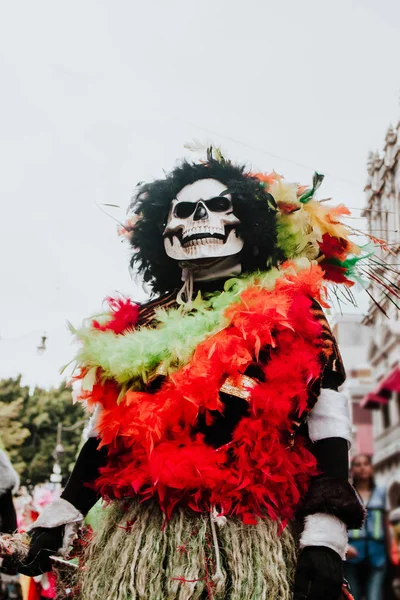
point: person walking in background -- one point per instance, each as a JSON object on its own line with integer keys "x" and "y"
{"x": 366, "y": 558}
{"x": 9, "y": 483}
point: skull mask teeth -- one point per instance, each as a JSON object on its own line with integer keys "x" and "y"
{"x": 201, "y": 223}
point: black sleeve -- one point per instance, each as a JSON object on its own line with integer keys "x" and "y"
{"x": 332, "y": 454}
{"x": 78, "y": 490}
{"x": 331, "y": 492}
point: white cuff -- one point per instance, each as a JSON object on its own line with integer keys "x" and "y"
{"x": 90, "y": 430}
{"x": 61, "y": 512}
{"x": 9, "y": 478}
{"x": 330, "y": 417}
{"x": 325, "y": 530}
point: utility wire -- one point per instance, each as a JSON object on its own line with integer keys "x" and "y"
{"x": 266, "y": 152}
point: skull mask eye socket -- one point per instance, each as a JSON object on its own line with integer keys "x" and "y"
{"x": 183, "y": 210}
{"x": 219, "y": 204}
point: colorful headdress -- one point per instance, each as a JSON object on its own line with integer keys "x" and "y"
{"x": 280, "y": 221}
{"x": 315, "y": 230}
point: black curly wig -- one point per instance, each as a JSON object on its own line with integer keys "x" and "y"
{"x": 252, "y": 204}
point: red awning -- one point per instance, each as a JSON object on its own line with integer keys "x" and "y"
{"x": 392, "y": 381}
{"x": 380, "y": 396}
{"x": 372, "y": 401}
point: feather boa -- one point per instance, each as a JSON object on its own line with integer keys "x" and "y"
{"x": 134, "y": 357}
{"x": 152, "y": 450}
{"x": 311, "y": 229}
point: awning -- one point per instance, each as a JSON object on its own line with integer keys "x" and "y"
{"x": 372, "y": 401}
{"x": 382, "y": 394}
{"x": 392, "y": 381}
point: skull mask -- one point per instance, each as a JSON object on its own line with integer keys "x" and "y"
{"x": 201, "y": 223}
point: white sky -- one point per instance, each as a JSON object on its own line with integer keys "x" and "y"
{"x": 96, "y": 96}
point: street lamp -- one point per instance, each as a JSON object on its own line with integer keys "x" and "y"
{"x": 42, "y": 346}
{"x": 56, "y": 476}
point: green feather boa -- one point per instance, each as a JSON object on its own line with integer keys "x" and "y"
{"x": 133, "y": 357}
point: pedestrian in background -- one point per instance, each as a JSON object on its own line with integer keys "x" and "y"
{"x": 9, "y": 484}
{"x": 366, "y": 559}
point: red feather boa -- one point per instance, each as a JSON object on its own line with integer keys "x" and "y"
{"x": 152, "y": 451}
{"x": 124, "y": 316}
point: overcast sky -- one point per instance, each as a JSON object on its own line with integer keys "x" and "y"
{"x": 98, "y": 95}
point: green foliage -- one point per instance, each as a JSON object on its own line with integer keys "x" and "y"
{"x": 12, "y": 431}
{"x": 28, "y": 428}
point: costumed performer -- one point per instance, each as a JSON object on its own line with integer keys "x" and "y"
{"x": 218, "y": 428}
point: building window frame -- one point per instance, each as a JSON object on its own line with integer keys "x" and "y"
{"x": 385, "y": 413}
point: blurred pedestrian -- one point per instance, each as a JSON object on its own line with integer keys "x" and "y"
{"x": 9, "y": 484}
{"x": 394, "y": 520}
{"x": 366, "y": 558}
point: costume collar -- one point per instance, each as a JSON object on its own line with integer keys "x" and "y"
{"x": 220, "y": 268}
{"x": 213, "y": 270}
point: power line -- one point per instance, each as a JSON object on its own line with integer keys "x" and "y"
{"x": 267, "y": 153}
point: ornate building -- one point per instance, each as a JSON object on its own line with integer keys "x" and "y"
{"x": 383, "y": 399}
{"x": 354, "y": 339}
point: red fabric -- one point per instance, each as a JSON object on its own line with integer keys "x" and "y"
{"x": 152, "y": 451}
{"x": 394, "y": 552}
{"x": 33, "y": 593}
{"x": 51, "y": 591}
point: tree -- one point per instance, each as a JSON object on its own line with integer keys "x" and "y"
{"x": 12, "y": 432}
{"x": 32, "y": 441}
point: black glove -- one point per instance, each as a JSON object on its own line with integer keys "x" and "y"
{"x": 8, "y": 566}
{"x": 319, "y": 574}
{"x": 45, "y": 541}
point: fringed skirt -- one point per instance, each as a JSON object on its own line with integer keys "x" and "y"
{"x": 135, "y": 555}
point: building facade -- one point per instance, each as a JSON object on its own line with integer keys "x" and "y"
{"x": 383, "y": 397}
{"x": 354, "y": 339}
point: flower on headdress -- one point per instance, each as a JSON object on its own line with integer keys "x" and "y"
{"x": 334, "y": 247}
{"x": 267, "y": 178}
{"x": 301, "y": 190}
{"x": 285, "y": 195}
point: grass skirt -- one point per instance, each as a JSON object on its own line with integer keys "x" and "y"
{"x": 136, "y": 556}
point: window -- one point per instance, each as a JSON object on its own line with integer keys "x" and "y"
{"x": 398, "y": 406}
{"x": 394, "y": 494}
{"x": 385, "y": 416}
{"x": 361, "y": 416}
